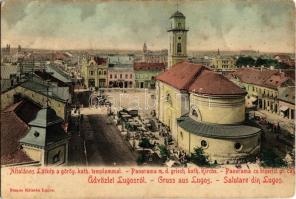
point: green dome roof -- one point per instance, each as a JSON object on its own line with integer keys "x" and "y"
{"x": 178, "y": 14}
{"x": 46, "y": 117}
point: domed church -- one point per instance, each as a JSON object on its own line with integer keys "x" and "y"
{"x": 203, "y": 108}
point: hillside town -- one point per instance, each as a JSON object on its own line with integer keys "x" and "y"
{"x": 168, "y": 107}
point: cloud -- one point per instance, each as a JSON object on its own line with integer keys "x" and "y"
{"x": 213, "y": 24}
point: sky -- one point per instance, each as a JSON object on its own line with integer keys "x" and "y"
{"x": 265, "y": 25}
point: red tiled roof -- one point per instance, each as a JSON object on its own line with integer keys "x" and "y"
{"x": 199, "y": 79}
{"x": 149, "y": 66}
{"x": 180, "y": 75}
{"x": 265, "y": 78}
{"x": 13, "y": 128}
{"x": 100, "y": 60}
{"x": 211, "y": 83}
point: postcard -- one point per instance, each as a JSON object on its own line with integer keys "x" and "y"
{"x": 147, "y": 99}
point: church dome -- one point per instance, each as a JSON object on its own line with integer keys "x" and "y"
{"x": 178, "y": 14}
{"x": 46, "y": 117}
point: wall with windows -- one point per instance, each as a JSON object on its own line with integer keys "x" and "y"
{"x": 171, "y": 105}
{"x": 220, "y": 150}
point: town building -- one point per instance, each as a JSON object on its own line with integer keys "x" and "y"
{"x": 10, "y": 75}
{"x": 262, "y": 86}
{"x": 94, "y": 72}
{"x": 178, "y": 39}
{"x": 204, "y": 109}
{"x": 120, "y": 71}
{"x": 150, "y": 56}
{"x": 223, "y": 63}
{"x": 40, "y": 92}
{"x": 145, "y": 74}
{"x": 287, "y": 102}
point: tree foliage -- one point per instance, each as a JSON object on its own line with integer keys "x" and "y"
{"x": 199, "y": 158}
{"x": 244, "y": 61}
{"x": 270, "y": 159}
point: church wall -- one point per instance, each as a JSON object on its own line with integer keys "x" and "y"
{"x": 170, "y": 110}
{"x": 218, "y": 110}
{"x": 221, "y": 150}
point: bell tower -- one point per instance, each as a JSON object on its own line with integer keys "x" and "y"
{"x": 178, "y": 39}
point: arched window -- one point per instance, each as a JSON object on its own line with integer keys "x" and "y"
{"x": 168, "y": 98}
{"x": 179, "y": 48}
{"x": 194, "y": 113}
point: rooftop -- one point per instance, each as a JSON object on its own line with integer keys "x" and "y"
{"x": 178, "y": 14}
{"x": 199, "y": 79}
{"x": 216, "y": 130}
{"x": 14, "y": 126}
{"x": 149, "y": 66}
{"x": 266, "y": 78}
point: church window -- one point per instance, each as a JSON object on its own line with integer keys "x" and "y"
{"x": 238, "y": 146}
{"x": 36, "y": 134}
{"x": 179, "y": 25}
{"x": 179, "y": 48}
{"x": 204, "y": 144}
{"x": 168, "y": 98}
{"x": 194, "y": 113}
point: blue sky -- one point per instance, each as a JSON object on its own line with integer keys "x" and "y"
{"x": 265, "y": 25}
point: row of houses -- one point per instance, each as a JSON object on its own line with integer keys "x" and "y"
{"x": 269, "y": 90}
{"x": 119, "y": 72}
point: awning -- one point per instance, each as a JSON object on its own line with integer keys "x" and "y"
{"x": 253, "y": 99}
{"x": 283, "y": 108}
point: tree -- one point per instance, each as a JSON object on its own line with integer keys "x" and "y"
{"x": 164, "y": 152}
{"x": 244, "y": 61}
{"x": 270, "y": 159}
{"x": 199, "y": 158}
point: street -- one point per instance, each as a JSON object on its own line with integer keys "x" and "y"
{"x": 103, "y": 142}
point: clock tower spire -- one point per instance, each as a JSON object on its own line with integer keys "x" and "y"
{"x": 178, "y": 39}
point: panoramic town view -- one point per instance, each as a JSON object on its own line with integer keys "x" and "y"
{"x": 167, "y": 84}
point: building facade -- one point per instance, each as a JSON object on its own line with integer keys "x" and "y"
{"x": 177, "y": 39}
{"x": 220, "y": 63}
{"x": 120, "y": 71}
{"x": 262, "y": 87}
{"x": 145, "y": 74}
{"x": 287, "y": 102}
{"x": 94, "y": 72}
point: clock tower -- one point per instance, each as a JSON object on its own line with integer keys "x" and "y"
{"x": 178, "y": 39}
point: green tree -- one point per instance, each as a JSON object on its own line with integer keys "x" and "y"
{"x": 199, "y": 158}
{"x": 270, "y": 159}
{"x": 244, "y": 61}
{"x": 164, "y": 152}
